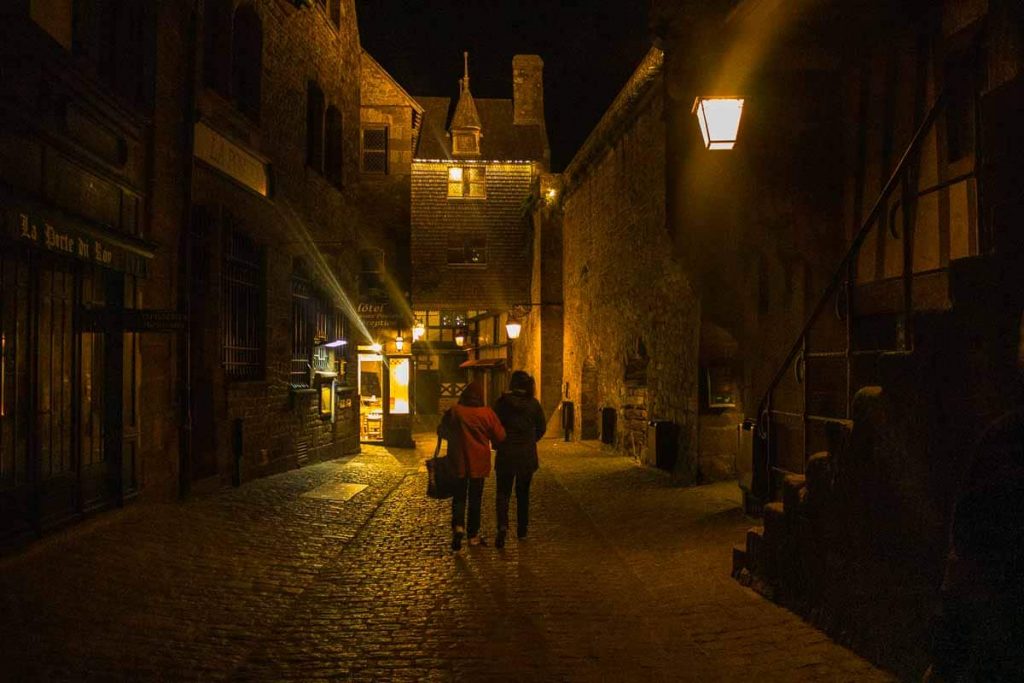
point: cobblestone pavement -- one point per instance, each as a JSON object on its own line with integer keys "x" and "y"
{"x": 623, "y": 578}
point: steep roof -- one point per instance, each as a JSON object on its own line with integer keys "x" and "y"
{"x": 388, "y": 92}
{"x": 501, "y": 139}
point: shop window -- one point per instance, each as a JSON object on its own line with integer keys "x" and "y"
{"x": 299, "y": 369}
{"x": 375, "y": 150}
{"x": 242, "y": 319}
{"x": 467, "y": 250}
{"x": 467, "y": 182}
{"x": 246, "y": 60}
{"x": 333, "y": 168}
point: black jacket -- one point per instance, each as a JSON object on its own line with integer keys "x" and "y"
{"x": 524, "y": 423}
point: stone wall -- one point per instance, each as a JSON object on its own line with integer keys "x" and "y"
{"x": 305, "y": 217}
{"x": 626, "y": 299}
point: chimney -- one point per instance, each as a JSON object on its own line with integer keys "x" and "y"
{"x": 528, "y": 90}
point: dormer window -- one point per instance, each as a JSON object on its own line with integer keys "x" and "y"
{"x": 465, "y": 143}
{"x": 467, "y": 182}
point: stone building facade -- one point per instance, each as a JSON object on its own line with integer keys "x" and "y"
{"x": 631, "y": 319}
{"x": 860, "y": 245}
{"x": 92, "y": 203}
{"x": 475, "y": 170}
{"x": 274, "y": 239}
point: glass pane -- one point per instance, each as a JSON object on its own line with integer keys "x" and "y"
{"x": 399, "y": 388}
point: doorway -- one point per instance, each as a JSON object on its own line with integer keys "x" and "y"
{"x": 371, "y": 383}
{"x": 59, "y": 433}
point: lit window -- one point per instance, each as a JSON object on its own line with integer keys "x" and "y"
{"x": 469, "y": 182}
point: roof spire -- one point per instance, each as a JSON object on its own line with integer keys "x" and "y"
{"x": 465, "y": 70}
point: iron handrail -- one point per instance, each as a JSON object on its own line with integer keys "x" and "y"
{"x": 851, "y": 252}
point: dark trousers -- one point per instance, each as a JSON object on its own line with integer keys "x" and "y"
{"x": 521, "y": 482}
{"x": 475, "y": 489}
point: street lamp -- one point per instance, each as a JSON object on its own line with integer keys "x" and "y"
{"x": 460, "y": 336}
{"x": 719, "y": 119}
{"x": 399, "y": 343}
{"x": 513, "y": 327}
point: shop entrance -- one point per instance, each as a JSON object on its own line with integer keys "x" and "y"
{"x": 58, "y": 457}
{"x": 371, "y": 380}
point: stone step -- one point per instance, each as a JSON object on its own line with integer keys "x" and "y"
{"x": 755, "y": 539}
{"x": 774, "y": 522}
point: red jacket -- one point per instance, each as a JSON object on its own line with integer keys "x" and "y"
{"x": 477, "y": 427}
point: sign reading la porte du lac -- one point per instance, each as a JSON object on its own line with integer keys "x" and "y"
{"x": 378, "y": 315}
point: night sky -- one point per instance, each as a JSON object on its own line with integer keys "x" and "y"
{"x": 589, "y": 50}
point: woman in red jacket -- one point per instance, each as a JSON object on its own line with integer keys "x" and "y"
{"x": 470, "y": 428}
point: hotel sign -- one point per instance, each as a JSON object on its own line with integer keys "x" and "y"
{"x": 231, "y": 159}
{"x": 379, "y": 316}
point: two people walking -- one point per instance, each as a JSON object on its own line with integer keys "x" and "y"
{"x": 514, "y": 426}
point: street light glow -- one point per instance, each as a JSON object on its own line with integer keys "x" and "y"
{"x": 719, "y": 119}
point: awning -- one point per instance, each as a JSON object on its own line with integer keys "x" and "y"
{"x": 484, "y": 363}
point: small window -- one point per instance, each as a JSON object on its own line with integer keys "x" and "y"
{"x": 375, "y": 150}
{"x": 467, "y": 182}
{"x": 465, "y": 143}
{"x": 333, "y": 167}
{"x": 467, "y": 250}
{"x": 314, "y": 126}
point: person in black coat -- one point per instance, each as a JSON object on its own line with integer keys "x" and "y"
{"x": 523, "y": 419}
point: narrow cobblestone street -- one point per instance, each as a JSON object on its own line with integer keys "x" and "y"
{"x": 623, "y": 578}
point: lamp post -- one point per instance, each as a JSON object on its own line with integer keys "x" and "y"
{"x": 719, "y": 120}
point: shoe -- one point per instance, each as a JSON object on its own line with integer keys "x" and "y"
{"x": 478, "y": 540}
{"x": 456, "y": 541}
{"x": 499, "y": 540}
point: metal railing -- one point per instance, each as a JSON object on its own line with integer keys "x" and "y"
{"x": 840, "y": 290}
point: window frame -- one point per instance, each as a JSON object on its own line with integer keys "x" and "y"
{"x": 243, "y": 304}
{"x": 465, "y": 240}
{"x": 469, "y": 176}
{"x": 375, "y": 128}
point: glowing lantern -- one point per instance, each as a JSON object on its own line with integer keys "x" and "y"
{"x": 399, "y": 343}
{"x": 460, "y": 336}
{"x": 513, "y": 328}
{"x": 719, "y": 119}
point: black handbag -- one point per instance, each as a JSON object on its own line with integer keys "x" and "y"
{"x": 442, "y": 476}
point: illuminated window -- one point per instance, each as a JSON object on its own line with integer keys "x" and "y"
{"x": 467, "y": 182}
{"x": 467, "y": 250}
{"x": 375, "y": 150}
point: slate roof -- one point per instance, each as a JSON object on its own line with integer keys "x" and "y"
{"x": 500, "y": 139}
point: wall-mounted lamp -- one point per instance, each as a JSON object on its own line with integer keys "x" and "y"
{"x": 418, "y": 331}
{"x": 719, "y": 119}
{"x": 376, "y": 348}
{"x": 460, "y": 336}
{"x": 334, "y": 344}
{"x": 399, "y": 343}
{"x": 513, "y": 327}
